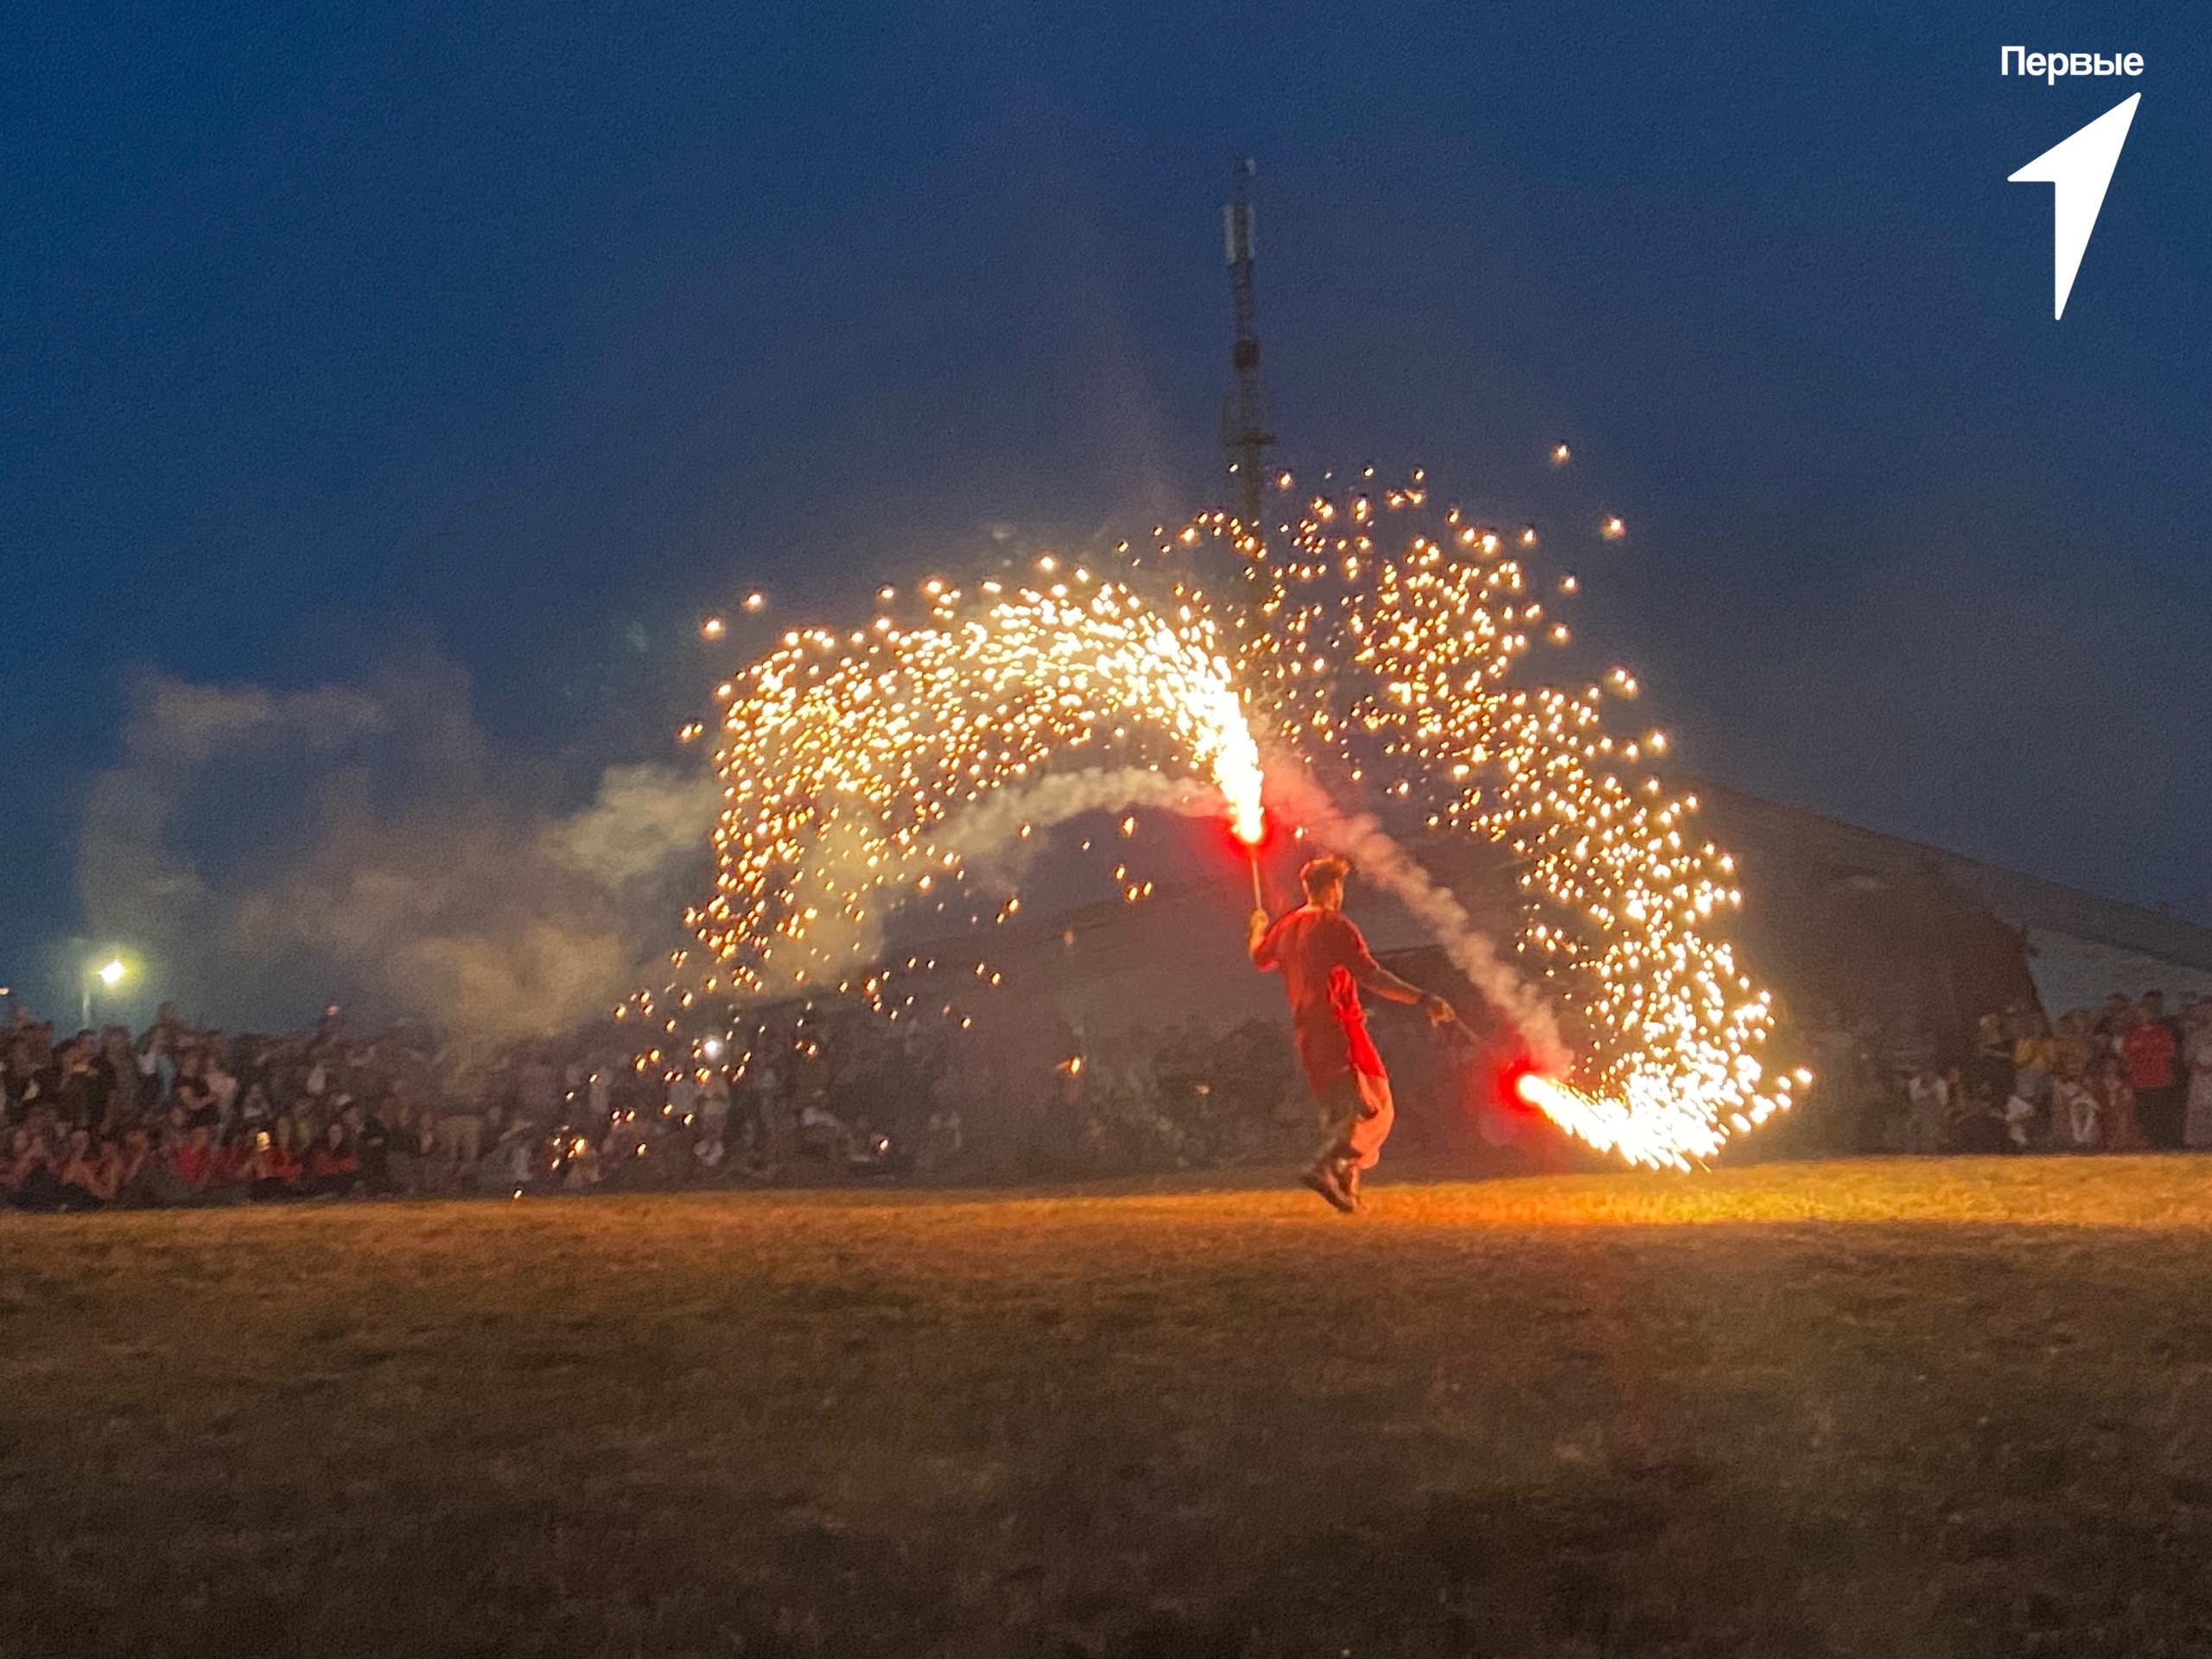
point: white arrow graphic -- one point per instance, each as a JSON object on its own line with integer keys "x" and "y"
{"x": 2078, "y": 169}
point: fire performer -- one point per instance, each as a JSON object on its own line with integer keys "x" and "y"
{"x": 1325, "y": 961}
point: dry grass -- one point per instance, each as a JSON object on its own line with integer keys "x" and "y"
{"x": 1876, "y": 1408}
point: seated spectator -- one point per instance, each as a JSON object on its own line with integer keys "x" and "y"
{"x": 372, "y": 1143}
{"x": 133, "y": 1168}
{"x": 271, "y": 1173}
{"x": 332, "y": 1168}
{"x": 196, "y": 1163}
{"x": 24, "y": 1155}
{"x": 709, "y": 1151}
{"x": 512, "y": 1163}
{"x": 83, "y": 1174}
{"x": 1978, "y": 1126}
{"x": 460, "y": 1139}
{"x": 580, "y": 1165}
{"x": 823, "y": 1134}
{"x": 38, "y": 1185}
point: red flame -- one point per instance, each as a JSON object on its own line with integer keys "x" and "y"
{"x": 1510, "y": 1080}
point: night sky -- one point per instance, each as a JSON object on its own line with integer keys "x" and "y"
{"x": 520, "y": 337}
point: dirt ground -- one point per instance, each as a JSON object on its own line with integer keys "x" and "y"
{"x": 1878, "y": 1407}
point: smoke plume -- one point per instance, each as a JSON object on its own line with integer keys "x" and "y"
{"x": 268, "y": 851}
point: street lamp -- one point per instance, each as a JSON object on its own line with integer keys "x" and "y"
{"x": 110, "y": 974}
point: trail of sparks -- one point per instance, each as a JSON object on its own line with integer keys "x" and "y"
{"x": 848, "y": 761}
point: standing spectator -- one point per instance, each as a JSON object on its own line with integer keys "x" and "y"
{"x": 222, "y": 1083}
{"x": 2111, "y": 1023}
{"x": 406, "y": 1143}
{"x": 714, "y": 1104}
{"x": 1988, "y": 1074}
{"x": 2077, "y": 1044}
{"x": 82, "y": 1090}
{"x": 1928, "y": 1125}
{"x": 2196, "y": 1054}
{"x": 2035, "y": 1059}
{"x": 537, "y": 1092}
{"x": 126, "y": 1100}
{"x": 2073, "y": 1112}
{"x": 779, "y": 1113}
{"x": 2118, "y": 1129}
{"x": 156, "y": 1067}
{"x": 2152, "y": 1052}
{"x": 683, "y": 1097}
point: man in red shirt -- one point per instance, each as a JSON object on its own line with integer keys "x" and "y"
{"x": 2148, "y": 1045}
{"x": 1325, "y": 962}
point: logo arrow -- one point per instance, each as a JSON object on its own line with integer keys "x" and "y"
{"x": 2078, "y": 169}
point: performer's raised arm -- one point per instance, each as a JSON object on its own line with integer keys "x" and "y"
{"x": 1259, "y": 943}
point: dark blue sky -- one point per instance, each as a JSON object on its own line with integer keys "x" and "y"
{"x": 524, "y": 333}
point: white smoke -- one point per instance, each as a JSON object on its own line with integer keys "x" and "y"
{"x": 988, "y": 836}
{"x": 990, "y": 840}
{"x": 268, "y": 851}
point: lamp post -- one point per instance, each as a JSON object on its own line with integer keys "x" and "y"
{"x": 110, "y": 975}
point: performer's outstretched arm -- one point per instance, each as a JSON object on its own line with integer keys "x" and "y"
{"x": 1374, "y": 976}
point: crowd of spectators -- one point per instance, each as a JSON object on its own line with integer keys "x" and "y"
{"x": 182, "y": 1115}
{"x": 2132, "y": 1075}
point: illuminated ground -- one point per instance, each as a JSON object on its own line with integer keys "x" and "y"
{"x": 1877, "y": 1408}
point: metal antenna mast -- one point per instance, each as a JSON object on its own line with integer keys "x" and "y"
{"x": 1244, "y": 432}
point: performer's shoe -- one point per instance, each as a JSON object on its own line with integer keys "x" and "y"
{"x": 1348, "y": 1178}
{"x": 1322, "y": 1177}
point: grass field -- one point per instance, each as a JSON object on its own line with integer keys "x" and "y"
{"x": 1865, "y": 1408}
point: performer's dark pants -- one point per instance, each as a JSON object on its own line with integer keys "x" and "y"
{"x": 1356, "y": 1116}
